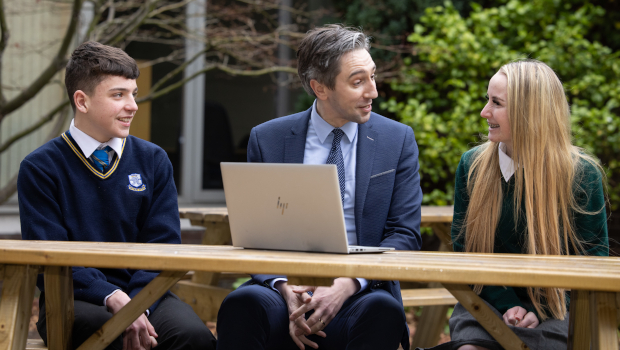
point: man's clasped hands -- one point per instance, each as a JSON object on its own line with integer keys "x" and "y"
{"x": 325, "y": 301}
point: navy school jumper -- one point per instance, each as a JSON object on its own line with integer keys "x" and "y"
{"x": 62, "y": 197}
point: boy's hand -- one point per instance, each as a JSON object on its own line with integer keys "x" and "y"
{"x": 140, "y": 334}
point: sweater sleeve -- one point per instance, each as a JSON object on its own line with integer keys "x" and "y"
{"x": 591, "y": 226}
{"x": 162, "y": 223}
{"x": 42, "y": 218}
{"x": 501, "y": 298}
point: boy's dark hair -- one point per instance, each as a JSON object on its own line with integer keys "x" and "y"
{"x": 92, "y": 62}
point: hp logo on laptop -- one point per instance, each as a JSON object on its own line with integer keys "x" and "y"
{"x": 282, "y": 205}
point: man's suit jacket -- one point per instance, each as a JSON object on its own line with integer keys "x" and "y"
{"x": 387, "y": 184}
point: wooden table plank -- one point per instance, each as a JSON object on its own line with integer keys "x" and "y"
{"x": 220, "y": 214}
{"x": 16, "y": 307}
{"x": 130, "y": 312}
{"x": 575, "y": 272}
{"x": 59, "y": 311}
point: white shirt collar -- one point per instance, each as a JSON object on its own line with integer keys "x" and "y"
{"x": 88, "y": 145}
{"x": 323, "y": 128}
{"x": 506, "y": 164}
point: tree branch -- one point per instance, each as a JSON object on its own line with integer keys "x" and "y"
{"x": 11, "y": 187}
{"x": 131, "y": 23}
{"x": 176, "y": 71}
{"x": 232, "y": 71}
{"x": 57, "y": 64}
{"x": 4, "y": 38}
{"x": 42, "y": 121}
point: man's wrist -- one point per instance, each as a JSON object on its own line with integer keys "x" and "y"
{"x": 349, "y": 286}
{"x": 117, "y": 301}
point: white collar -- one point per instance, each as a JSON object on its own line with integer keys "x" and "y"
{"x": 323, "y": 128}
{"x": 88, "y": 145}
{"x": 506, "y": 164}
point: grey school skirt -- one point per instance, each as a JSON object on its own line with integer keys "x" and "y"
{"x": 464, "y": 329}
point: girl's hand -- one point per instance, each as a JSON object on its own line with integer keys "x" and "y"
{"x": 519, "y": 317}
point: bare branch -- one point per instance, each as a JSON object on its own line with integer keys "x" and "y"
{"x": 11, "y": 187}
{"x": 4, "y": 38}
{"x": 176, "y": 71}
{"x": 131, "y": 23}
{"x": 232, "y": 71}
{"x": 169, "y": 7}
{"x": 57, "y": 64}
{"x": 42, "y": 121}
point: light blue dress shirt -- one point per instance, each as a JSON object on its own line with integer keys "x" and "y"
{"x": 319, "y": 141}
{"x": 318, "y": 144}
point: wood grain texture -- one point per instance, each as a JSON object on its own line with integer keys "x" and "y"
{"x": 59, "y": 306}
{"x": 579, "y": 320}
{"x": 217, "y": 233}
{"x": 486, "y": 317}
{"x": 427, "y": 297}
{"x": 16, "y": 307}
{"x": 205, "y": 300}
{"x": 1, "y": 272}
{"x": 430, "y": 326}
{"x": 429, "y": 214}
{"x": 35, "y": 344}
{"x": 603, "y": 320}
{"x": 310, "y": 281}
{"x": 574, "y": 272}
{"x": 130, "y": 312}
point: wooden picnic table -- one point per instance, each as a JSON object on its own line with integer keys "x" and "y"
{"x": 596, "y": 278}
{"x": 215, "y": 220}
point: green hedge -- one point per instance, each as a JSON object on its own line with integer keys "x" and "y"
{"x": 444, "y": 83}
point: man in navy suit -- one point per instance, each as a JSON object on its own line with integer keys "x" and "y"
{"x": 377, "y": 162}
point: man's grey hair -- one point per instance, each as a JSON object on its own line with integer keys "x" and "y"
{"x": 318, "y": 55}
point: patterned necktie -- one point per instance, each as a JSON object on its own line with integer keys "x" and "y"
{"x": 335, "y": 157}
{"x": 100, "y": 158}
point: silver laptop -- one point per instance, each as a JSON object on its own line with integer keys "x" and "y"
{"x": 287, "y": 207}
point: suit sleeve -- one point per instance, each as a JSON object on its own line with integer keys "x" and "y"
{"x": 42, "y": 219}
{"x": 402, "y": 227}
{"x": 162, "y": 224}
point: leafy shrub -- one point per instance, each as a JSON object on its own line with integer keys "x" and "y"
{"x": 445, "y": 81}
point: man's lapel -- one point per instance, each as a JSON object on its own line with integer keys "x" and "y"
{"x": 295, "y": 142}
{"x": 366, "y": 145}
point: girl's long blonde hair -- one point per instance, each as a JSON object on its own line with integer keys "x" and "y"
{"x": 546, "y": 169}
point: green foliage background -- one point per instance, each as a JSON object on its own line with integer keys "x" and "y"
{"x": 441, "y": 92}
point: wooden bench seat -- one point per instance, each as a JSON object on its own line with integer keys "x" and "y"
{"x": 427, "y": 297}
{"x": 35, "y": 344}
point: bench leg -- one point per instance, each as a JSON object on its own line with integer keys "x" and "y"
{"x": 603, "y": 320}
{"x": 59, "y": 306}
{"x": 16, "y": 305}
{"x": 216, "y": 233}
{"x": 130, "y": 312}
{"x": 579, "y": 320}
{"x": 430, "y": 326}
{"x": 486, "y": 317}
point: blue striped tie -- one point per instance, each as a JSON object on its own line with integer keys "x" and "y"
{"x": 100, "y": 158}
{"x": 335, "y": 157}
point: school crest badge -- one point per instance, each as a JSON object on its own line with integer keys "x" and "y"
{"x": 135, "y": 183}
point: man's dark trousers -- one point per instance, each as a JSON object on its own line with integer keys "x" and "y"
{"x": 256, "y": 317}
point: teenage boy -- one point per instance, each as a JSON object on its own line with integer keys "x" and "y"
{"x": 96, "y": 183}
